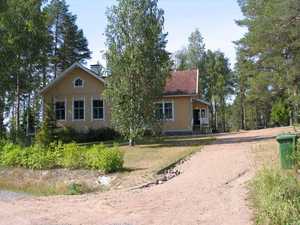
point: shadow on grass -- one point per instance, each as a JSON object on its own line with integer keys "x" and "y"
{"x": 243, "y": 139}
{"x": 177, "y": 142}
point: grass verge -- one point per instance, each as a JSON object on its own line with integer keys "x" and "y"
{"x": 276, "y": 198}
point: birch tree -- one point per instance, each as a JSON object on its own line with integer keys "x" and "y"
{"x": 138, "y": 64}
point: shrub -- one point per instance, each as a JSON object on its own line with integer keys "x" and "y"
{"x": 280, "y": 113}
{"x": 92, "y": 156}
{"x": 77, "y": 189}
{"x": 68, "y": 135}
{"x": 2, "y": 143}
{"x": 11, "y": 155}
{"x": 276, "y": 197}
{"x": 111, "y": 160}
{"x": 62, "y": 155}
{"x": 105, "y": 159}
{"x": 33, "y": 158}
{"x": 73, "y": 156}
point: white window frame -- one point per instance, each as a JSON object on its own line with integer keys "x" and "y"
{"x": 74, "y": 81}
{"x": 163, "y": 104}
{"x": 206, "y": 113}
{"x": 78, "y": 98}
{"x": 92, "y": 108}
{"x": 65, "y": 102}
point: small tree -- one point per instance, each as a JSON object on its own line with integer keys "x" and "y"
{"x": 280, "y": 113}
{"x": 45, "y": 134}
{"x": 138, "y": 64}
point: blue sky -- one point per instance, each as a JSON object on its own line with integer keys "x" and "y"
{"x": 214, "y": 18}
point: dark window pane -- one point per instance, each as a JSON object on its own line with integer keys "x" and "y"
{"x": 78, "y": 109}
{"x": 78, "y": 83}
{"x": 168, "y": 110}
{"x": 98, "y": 109}
{"x": 60, "y": 110}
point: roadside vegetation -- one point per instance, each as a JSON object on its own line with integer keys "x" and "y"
{"x": 275, "y": 193}
{"x": 276, "y": 198}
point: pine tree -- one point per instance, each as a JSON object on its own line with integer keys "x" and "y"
{"x": 24, "y": 35}
{"x": 272, "y": 45}
{"x": 68, "y": 42}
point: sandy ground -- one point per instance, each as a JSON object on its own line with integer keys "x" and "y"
{"x": 212, "y": 190}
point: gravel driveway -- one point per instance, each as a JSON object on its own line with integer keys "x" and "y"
{"x": 212, "y": 190}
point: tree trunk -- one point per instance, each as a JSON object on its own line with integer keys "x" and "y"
{"x": 18, "y": 104}
{"x": 2, "y": 128}
{"x": 55, "y": 45}
{"x": 295, "y": 108}
{"x": 131, "y": 142}
{"x": 242, "y": 110}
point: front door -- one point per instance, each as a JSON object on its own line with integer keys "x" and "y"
{"x": 196, "y": 117}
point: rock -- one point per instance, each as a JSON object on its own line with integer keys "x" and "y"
{"x": 104, "y": 180}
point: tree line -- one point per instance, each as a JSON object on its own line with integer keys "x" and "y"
{"x": 216, "y": 83}
{"x": 38, "y": 40}
{"x": 267, "y": 69}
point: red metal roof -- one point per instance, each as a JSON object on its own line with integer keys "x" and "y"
{"x": 182, "y": 83}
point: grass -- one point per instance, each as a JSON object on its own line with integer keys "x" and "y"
{"x": 142, "y": 163}
{"x": 275, "y": 194}
{"x": 276, "y": 198}
{"x": 47, "y": 182}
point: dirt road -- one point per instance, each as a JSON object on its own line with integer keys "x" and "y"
{"x": 212, "y": 190}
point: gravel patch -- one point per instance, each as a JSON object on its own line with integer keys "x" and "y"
{"x": 11, "y": 196}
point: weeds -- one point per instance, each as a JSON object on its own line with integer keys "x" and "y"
{"x": 276, "y": 197}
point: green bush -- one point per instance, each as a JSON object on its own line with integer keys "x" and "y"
{"x": 11, "y": 155}
{"x": 34, "y": 158}
{"x": 77, "y": 189}
{"x": 62, "y": 155}
{"x": 105, "y": 159}
{"x": 73, "y": 156}
{"x": 276, "y": 198}
{"x": 280, "y": 113}
{"x": 111, "y": 160}
{"x": 68, "y": 135}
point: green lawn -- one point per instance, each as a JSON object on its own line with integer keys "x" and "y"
{"x": 143, "y": 161}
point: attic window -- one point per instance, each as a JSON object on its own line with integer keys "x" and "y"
{"x": 78, "y": 83}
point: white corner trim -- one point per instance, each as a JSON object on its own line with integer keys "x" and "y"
{"x": 92, "y": 109}
{"x": 197, "y": 82}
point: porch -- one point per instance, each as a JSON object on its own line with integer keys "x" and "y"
{"x": 200, "y": 119}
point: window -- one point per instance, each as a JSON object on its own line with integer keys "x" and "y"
{"x": 60, "y": 111}
{"x": 164, "y": 110}
{"x": 159, "y": 111}
{"x": 78, "y": 109}
{"x": 78, "y": 82}
{"x": 203, "y": 113}
{"x": 98, "y": 109}
{"x": 168, "y": 111}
